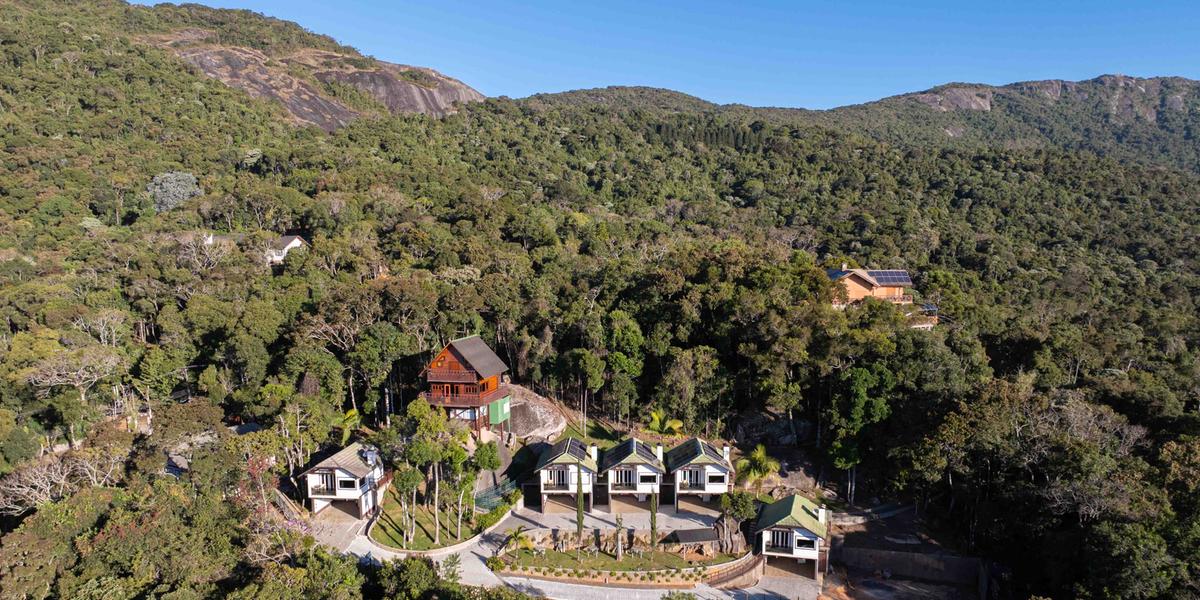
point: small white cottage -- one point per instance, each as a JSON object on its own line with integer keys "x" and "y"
{"x": 353, "y": 478}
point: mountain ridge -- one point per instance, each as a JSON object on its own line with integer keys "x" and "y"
{"x": 1151, "y": 120}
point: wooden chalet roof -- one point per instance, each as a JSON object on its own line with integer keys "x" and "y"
{"x": 568, "y": 451}
{"x": 630, "y": 452}
{"x": 476, "y": 355}
{"x": 349, "y": 459}
{"x": 694, "y": 452}
{"x": 877, "y": 278}
{"x": 792, "y": 511}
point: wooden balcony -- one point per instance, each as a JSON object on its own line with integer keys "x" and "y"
{"x": 465, "y": 400}
{"x": 450, "y": 376}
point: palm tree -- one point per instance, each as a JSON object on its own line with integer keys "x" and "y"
{"x": 348, "y": 422}
{"x": 518, "y": 540}
{"x": 756, "y": 467}
{"x": 660, "y": 424}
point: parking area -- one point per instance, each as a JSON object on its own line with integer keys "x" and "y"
{"x": 627, "y": 505}
{"x": 778, "y": 566}
{"x": 560, "y": 504}
{"x": 336, "y": 525}
{"x": 695, "y": 505}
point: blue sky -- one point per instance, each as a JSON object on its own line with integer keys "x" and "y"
{"x": 796, "y": 54}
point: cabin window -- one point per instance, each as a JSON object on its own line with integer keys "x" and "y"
{"x": 718, "y": 478}
{"x": 623, "y": 477}
{"x": 805, "y": 544}
{"x": 347, "y": 484}
{"x": 650, "y": 478}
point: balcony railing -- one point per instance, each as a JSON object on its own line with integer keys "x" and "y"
{"x": 778, "y": 549}
{"x": 442, "y": 399}
{"x": 691, "y": 485}
{"x": 624, "y": 487}
{"x": 901, "y": 299}
{"x": 557, "y": 487}
{"x": 321, "y": 491}
{"x": 451, "y": 375}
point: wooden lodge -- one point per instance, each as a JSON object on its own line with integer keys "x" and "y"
{"x": 889, "y": 285}
{"x": 466, "y": 379}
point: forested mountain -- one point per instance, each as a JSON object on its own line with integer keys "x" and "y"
{"x": 665, "y": 257}
{"x": 1148, "y": 120}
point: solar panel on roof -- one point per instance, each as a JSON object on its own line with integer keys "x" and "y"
{"x": 891, "y": 277}
{"x": 645, "y": 452}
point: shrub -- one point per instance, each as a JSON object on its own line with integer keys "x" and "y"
{"x": 491, "y": 517}
{"x": 172, "y": 188}
{"x": 495, "y": 563}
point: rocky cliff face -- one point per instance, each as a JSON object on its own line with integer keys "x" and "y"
{"x": 295, "y": 80}
{"x": 1120, "y": 97}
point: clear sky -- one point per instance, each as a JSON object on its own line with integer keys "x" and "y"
{"x": 776, "y": 53}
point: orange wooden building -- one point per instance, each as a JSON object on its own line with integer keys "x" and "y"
{"x": 465, "y": 378}
{"x": 888, "y": 285}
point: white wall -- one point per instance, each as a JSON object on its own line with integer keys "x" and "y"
{"x": 339, "y": 493}
{"x": 572, "y": 478}
{"x": 709, "y": 488}
{"x": 805, "y": 553}
{"x": 641, "y": 488}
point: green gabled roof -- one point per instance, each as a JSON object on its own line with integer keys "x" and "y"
{"x": 630, "y": 452}
{"x": 568, "y": 451}
{"x": 694, "y": 452}
{"x": 793, "y": 511}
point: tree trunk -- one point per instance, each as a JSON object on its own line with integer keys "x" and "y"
{"x": 437, "y": 517}
{"x": 458, "y": 525}
{"x": 350, "y": 386}
{"x": 412, "y": 520}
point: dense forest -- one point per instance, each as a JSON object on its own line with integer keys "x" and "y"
{"x": 649, "y": 256}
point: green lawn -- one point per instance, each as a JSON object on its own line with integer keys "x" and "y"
{"x": 649, "y": 561}
{"x": 387, "y": 530}
{"x": 597, "y": 434}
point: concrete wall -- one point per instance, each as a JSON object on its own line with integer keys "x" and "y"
{"x": 940, "y": 568}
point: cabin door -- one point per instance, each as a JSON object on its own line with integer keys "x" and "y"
{"x": 695, "y": 478}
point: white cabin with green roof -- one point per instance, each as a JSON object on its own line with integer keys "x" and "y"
{"x": 793, "y": 527}
{"x": 632, "y": 467}
{"x": 697, "y": 468}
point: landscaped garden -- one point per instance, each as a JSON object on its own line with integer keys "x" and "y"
{"x": 603, "y": 561}
{"x": 389, "y": 528}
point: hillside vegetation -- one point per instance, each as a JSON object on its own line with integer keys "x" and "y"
{"x": 1141, "y": 120}
{"x": 666, "y": 257}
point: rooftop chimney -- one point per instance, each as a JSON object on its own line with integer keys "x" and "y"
{"x": 725, "y": 453}
{"x": 823, "y": 515}
{"x": 592, "y": 450}
{"x": 658, "y": 452}
{"x": 845, "y": 266}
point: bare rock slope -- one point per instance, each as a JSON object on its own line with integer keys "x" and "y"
{"x": 301, "y": 80}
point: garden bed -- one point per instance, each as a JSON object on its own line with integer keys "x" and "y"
{"x": 662, "y": 570}
{"x": 647, "y": 561}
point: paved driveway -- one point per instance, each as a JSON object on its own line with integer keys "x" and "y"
{"x": 336, "y": 528}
